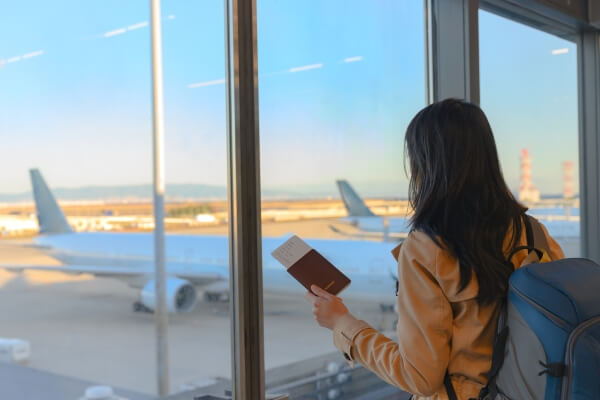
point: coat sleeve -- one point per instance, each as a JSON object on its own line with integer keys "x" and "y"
{"x": 417, "y": 362}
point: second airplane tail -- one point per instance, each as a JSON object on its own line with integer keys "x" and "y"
{"x": 354, "y": 204}
{"x": 50, "y": 217}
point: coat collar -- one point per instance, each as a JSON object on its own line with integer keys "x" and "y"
{"x": 396, "y": 251}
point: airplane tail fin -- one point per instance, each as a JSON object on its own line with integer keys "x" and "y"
{"x": 50, "y": 217}
{"x": 354, "y": 204}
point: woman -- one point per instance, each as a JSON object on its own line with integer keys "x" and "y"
{"x": 452, "y": 268}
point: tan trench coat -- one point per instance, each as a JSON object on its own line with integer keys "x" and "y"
{"x": 439, "y": 328}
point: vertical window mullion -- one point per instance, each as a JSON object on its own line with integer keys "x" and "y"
{"x": 244, "y": 200}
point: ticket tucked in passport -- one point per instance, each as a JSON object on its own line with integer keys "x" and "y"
{"x": 309, "y": 267}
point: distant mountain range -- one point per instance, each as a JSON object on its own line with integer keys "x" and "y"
{"x": 174, "y": 192}
{"x": 201, "y": 192}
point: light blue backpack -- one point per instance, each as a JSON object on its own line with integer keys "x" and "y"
{"x": 547, "y": 344}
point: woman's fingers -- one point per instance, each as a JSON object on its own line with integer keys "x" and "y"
{"x": 321, "y": 293}
{"x": 318, "y": 313}
{"x": 311, "y": 298}
{"x": 326, "y": 307}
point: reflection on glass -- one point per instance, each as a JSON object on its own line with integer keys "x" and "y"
{"x": 76, "y": 109}
{"x": 338, "y": 84}
{"x": 529, "y": 93}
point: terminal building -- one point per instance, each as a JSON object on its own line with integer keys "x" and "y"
{"x": 156, "y": 153}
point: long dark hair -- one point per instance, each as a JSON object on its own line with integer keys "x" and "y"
{"x": 458, "y": 193}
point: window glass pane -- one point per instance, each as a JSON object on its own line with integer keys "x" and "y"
{"x": 196, "y": 194}
{"x": 338, "y": 84}
{"x": 529, "y": 93}
{"x": 76, "y": 102}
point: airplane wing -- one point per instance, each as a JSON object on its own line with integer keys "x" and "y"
{"x": 196, "y": 275}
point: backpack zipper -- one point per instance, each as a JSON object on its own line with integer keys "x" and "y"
{"x": 558, "y": 321}
{"x": 566, "y": 384}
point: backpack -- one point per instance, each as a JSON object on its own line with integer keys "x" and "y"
{"x": 547, "y": 344}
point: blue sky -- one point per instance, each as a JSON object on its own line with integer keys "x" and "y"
{"x": 339, "y": 81}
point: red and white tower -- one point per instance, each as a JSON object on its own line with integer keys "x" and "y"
{"x": 568, "y": 183}
{"x": 527, "y": 192}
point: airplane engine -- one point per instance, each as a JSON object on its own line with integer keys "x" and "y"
{"x": 181, "y": 295}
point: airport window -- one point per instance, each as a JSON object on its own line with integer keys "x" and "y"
{"x": 197, "y": 210}
{"x": 529, "y": 93}
{"x": 339, "y": 81}
{"x": 338, "y": 84}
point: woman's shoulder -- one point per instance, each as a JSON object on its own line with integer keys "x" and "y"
{"x": 431, "y": 255}
{"x": 421, "y": 248}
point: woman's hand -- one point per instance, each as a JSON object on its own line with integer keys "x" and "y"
{"x": 327, "y": 308}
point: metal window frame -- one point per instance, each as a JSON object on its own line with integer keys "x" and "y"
{"x": 243, "y": 163}
{"x": 588, "y": 66}
{"x": 536, "y": 15}
{"x": 452, "y": 49}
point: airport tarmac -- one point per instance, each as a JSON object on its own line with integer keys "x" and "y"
{"x": 84, "y": 327}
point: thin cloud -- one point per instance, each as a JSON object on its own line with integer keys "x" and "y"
{"x": 288, "y": 71}
{"x": 137, "y": 26}
{"x": 132, "y": 27}
{"x": 305, "y": 68}
{"x": 20, "y": 58}
{"x": 116, "y": 32}
{"x": 353, "y": 59}
{"x": 33, "y": 54}
{"x": 206, "y": 83}
{"x": 556, "y": 52}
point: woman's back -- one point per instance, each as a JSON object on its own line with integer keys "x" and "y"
{"x": 440, "y": 327}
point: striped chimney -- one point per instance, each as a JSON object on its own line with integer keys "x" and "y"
{"x": 568, "y": 182}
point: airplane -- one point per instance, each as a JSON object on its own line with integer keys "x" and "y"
{"x": 561, "y": 227}
{"x": 194, "y": 262}
{"x": 369, "y": 224}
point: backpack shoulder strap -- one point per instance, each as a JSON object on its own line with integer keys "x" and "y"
{"x": 540, "y": 240}
{"x": 490, "y": 391}
{"x": 449, "y": 388}
{"x": 536, "y": 240}
{"x": 529, "y": 233}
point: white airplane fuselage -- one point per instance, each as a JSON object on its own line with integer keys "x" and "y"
{"x": 368, "y": 264}
{"x": 378, "y": 224}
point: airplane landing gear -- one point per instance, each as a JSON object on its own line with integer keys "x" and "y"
{"x": 140, "y": 307}
{"x": 215, "y": 297}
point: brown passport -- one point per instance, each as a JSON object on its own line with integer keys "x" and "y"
{"x": 309, "y": 267}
